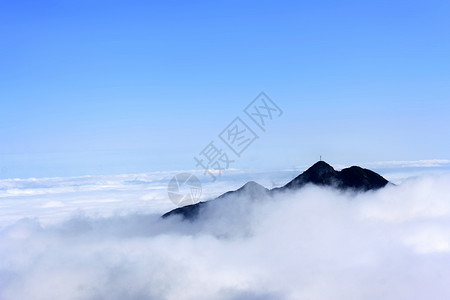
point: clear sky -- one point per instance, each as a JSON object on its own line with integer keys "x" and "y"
{"x": 107, "y": 87}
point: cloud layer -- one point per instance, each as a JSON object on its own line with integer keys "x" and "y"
{"x": 313, "y": 244}
{"x": 56, "y": 199}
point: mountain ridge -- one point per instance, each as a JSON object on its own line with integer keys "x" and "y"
{"x": 321, "y": 173}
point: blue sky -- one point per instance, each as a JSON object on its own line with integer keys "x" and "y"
{"x": 108, "y": 87}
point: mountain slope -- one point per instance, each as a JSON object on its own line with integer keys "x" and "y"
{"x": 250, "y": 190}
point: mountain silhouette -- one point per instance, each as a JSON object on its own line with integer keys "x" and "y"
{"x": 322, "y": 174}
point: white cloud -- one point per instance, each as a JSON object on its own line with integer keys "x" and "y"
{"x": 313, "y": 244}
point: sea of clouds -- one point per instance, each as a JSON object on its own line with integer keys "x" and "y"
{"x": 315, "y": 243}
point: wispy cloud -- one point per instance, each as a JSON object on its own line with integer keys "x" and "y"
{"x": 426, "y": 163}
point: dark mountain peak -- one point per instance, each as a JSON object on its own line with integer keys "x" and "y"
{"x": 320, "y": 173}
{"x": 319, "y": 168}
{"x": 362, "y": 179}
{"x": 355, "y": 178}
